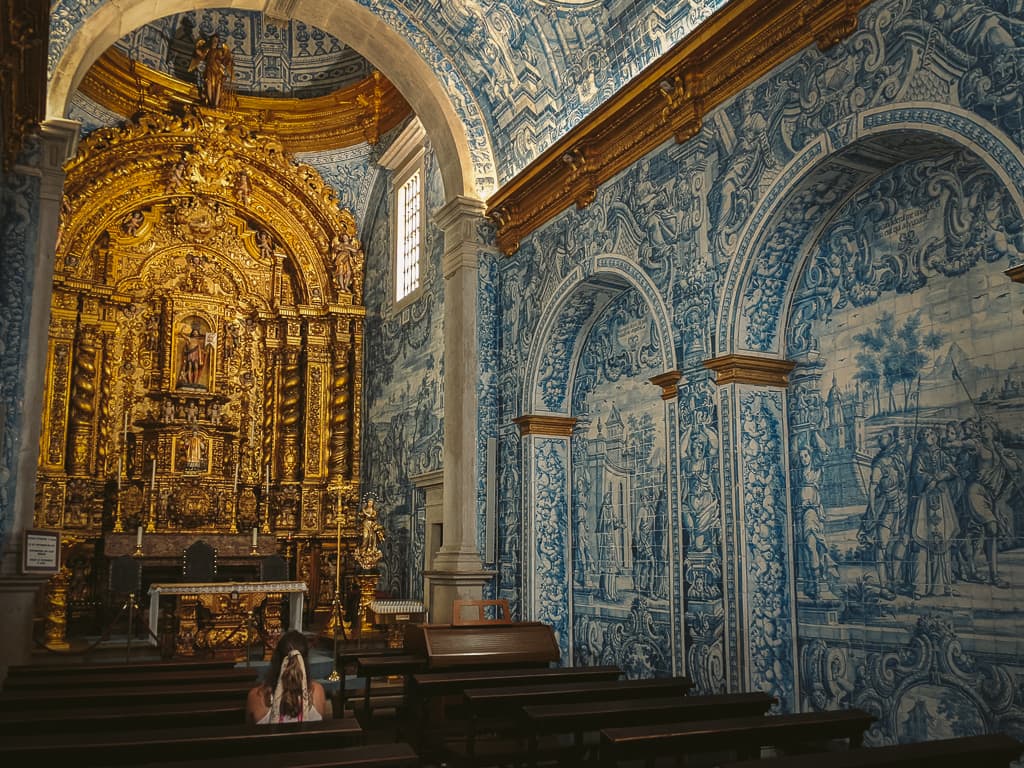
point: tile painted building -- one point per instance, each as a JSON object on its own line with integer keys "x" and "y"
{"x": 851, "y": 537}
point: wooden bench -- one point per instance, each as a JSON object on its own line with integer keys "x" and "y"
{"x": 583, "y": 717}
{"x": 427, "y": 691}
{"x": 385, "y": 665}
{"x": 398, "y": 755}
{"x": 201, "y": 693}
{"x": 141, "y": 716}
{"x": 744, "y": 736}
{"x": 498, "y": 711}
{"x": 992, "y": 751}
{"x": 66, "y": 669}
{"x": 122, "y": 679}
{"x": 129, "y": 747}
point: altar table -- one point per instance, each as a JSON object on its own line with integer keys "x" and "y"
{"x": 231, "y": 603}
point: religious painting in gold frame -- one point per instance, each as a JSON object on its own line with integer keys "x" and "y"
{"x": 195, "y": 344}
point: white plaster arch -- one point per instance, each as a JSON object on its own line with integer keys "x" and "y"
{"x": 347, "y": 20}
{"x": 608, "y": 272}
{"x": 952, "y": 126}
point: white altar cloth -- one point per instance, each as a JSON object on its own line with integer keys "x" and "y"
{"x": 296, "y": 591}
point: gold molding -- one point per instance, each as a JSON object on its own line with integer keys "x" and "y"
{"x": 348, "y": 116}
{"x": 750, "y": 369}
{"x": 736, "y": 46}
{"x": 550, "y": 426}
{"x": 669, "y": 383}
{"x": 1016, "y": 273}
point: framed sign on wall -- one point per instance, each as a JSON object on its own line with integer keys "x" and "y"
{"x": 41, "y": 553}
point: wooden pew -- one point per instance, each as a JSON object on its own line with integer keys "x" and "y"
{"x": 745, "y": 736}
{"x": 583, "y": 717}
{"x": 992, "y": 751}
{"x": 348, "y": 659}
{"x": 124, "y": 679}
{"x": 142, "y": 668}
{"x": 427, "y": 692}
{"x": 385, "y": 665}
{"x": 140, "y": 716}
{"x": 128, "y": 747}
{"x": 398, "y": 755}
{"x": 500, "y": 710}
{"x": 201, "y": 693}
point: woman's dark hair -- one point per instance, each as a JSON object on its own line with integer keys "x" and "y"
{"x": 282, "y": 666}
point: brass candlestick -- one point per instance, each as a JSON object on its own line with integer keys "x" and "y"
{"x": 336, "y": 619}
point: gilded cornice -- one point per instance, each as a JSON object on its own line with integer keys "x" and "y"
{"x": 732, "y": 49}
{"x": 750, "y": 369}
{"x": 548, "y": 426}
{"x": 669, "y": 383}
{"x": 346, "y": 117}
{"x": 24, "y": 32}
{"x": 1016, "y": 273}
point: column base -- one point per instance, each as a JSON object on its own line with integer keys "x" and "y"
{"x": 443, "y": 587}
{"x": 18, "y": 596}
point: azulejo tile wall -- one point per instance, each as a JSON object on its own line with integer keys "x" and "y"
{"x": 19, "y": 194}
{"x": 403, "y": 422}
{"x": 855, "y": 537}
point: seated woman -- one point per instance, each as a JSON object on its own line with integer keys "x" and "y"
{"x": 287, "y": 695}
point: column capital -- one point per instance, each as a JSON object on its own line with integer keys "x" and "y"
{"x": 1016, "y": 273}
{"x": 669, "y": 383}
{"x": 545, "y": 425}
{"x": 460, "y": 220}
{"x": 750, "y": 369}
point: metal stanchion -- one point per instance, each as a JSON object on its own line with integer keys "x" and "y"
{"x": 130, "y": 606}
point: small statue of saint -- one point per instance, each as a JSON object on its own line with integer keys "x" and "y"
{"x": 218, "y": 68}
{"x": 368, "y": 552}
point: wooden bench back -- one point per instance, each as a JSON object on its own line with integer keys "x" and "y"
{"x": 996, "y": 750}
{"x": 127, "y": 747}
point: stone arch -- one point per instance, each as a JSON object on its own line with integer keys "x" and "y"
{"x": 553, "y": 507}
{"x": 604, "y": 276}
{"x": 758, "y": 290}
{"x": 444, "y": 106}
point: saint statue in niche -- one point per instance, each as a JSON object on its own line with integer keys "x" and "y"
{"x": 197, "y": 345}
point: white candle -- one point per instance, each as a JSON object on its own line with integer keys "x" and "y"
{"x": 268, "y": 482}
{"x": 254, "y": 538}
{"x": 120, "y": 468}
{"x": 236, "y": 480}
{"x": 138, "y": 537}
{"x": 126, "y": 427}
{"x": 152, "y": 480}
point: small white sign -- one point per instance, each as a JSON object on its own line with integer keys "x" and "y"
{"x": 41, "y": 552}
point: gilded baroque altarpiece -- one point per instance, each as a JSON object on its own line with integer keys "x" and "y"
{"x": 205, "y": 354}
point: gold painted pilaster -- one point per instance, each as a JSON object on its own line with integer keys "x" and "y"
{"x": 750, "y": 369}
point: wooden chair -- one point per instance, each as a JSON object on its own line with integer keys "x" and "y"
{"x": 273, "y": 568}
{"x": 199, "y": 563}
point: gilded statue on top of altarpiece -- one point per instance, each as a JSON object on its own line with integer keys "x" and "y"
{"x": 218, "y": 68}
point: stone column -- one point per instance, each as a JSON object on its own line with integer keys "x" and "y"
{"x": 58, "y": 139}
{"x": 458, "y": 569}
